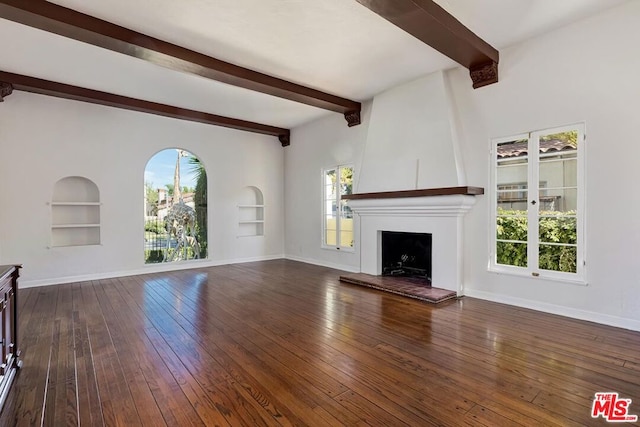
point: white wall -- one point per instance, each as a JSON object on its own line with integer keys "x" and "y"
{"x": 43, "y": 139}
{"x": 410, "y": 144}
{"x": 584, "y": 72}
{"x": 317, "y": 145}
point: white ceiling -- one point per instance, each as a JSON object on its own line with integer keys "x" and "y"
{"x": 337, "y": 46}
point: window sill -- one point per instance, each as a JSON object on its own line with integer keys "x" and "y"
{"x": 577, "y": 281}
{"x": 333, "y": 248}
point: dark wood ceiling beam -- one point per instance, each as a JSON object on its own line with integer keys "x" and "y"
{"x": 11, "y": 81}
{"x": 78, "y": 26}
{"x": 430, "y": 23}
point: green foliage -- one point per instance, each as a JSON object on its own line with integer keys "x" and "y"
{"x": 200, "y": 201}
{"x": 154, "y": 227}
{"x": 346, "y": 180}
{"x": 153, "y": 255}
{"x": 570, "y": 137}
{"x": 151, "y": 195}
{"x": 554, "y": 227}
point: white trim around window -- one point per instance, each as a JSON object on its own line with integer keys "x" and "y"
{"x": 337, "y": 218}
{"x": 538, "y": 204}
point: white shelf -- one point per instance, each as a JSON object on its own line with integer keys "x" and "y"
{"x": 75, "y": 225}
{"x": 76, "y": 203}
{"x": 251, "y": 212}
{"x": 75, "y": 213}
{"x": 71, "y": 245}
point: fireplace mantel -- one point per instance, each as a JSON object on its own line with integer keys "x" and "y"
{"x": 426, "y": 192}
{"x": 437, "y": 211}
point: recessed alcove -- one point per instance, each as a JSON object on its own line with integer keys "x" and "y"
{"x": 250, "y": 212}
{"x": 75, "y": 212}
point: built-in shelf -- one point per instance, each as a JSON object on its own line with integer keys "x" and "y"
{"x": 75, "y": 213}
{"x": 251, "y": 212}
{"x": 75, "y": 225}
{"x": 426, "y": 192}
{"x": 75, "y": 203}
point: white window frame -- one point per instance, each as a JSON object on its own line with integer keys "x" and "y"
{"x": 338, "y": 246}
{"x": 532, "y": 270}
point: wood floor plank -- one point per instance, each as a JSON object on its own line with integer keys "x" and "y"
{"x": 283, "y": 343}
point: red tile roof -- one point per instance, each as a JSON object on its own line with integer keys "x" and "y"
{"x": 520, "y": 148}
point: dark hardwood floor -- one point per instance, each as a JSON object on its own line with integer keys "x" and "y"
{"x": 284, "y": 343}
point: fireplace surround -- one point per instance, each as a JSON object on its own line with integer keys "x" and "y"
{"x": 440, "y": 213}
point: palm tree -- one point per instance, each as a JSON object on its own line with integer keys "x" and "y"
{"x": 200, "y": 200}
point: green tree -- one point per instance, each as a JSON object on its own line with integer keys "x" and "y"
{"x": 169, "y": 189}
{"x": 151, "y": 195}
{"x": 200, "y": 201}
{"x": 570, "y": 137}
{"x": 346, "y": 180}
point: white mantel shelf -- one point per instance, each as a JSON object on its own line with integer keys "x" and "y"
{"x": 426, "y": 192}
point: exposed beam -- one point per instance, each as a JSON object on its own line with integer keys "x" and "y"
{"x": 60, "y": 90}
{"x": 430, "y": 23}
{"x": 78, "y": 26}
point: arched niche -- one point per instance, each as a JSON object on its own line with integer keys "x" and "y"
{"x": 75, "y": 212}
{"x": 250, "y": 212}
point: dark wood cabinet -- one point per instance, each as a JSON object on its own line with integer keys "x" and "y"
{"x": 9, "y": 329}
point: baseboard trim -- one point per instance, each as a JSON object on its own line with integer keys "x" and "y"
{"x": 148, "y": 269}
{"x": 591, "y": 316}
{"x": 349, "y": 268}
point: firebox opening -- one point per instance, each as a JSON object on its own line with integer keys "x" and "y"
{"x": 406, "y": 255}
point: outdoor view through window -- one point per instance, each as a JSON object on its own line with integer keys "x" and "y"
{"x": 175, "y": 208}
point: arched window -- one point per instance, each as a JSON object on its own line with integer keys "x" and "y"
{"x": 175, "y": 207}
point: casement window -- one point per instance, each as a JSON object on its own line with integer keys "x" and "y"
{"x": 337, "y": 223}
{"x": 538, "y": 204}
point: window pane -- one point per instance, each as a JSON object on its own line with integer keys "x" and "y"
{"x": 346, "y": 180}
{"x": 556, "y": 173}
{"x": 346, "y": 233}
{"x": 559, "y": 142}
{"x": 330, "y": 230}
{"x": 514, "y": 173}
{"x": 558, "y": 200}
{"x": 330, "y": 184}
{"x": 558, "y": 228}
{"x": 557, "y": 258}
{"x": 510, "y": 200}
{"x": 509, "y": 253}
{"x": 511, "y": 228}
{"x": 345, "y": 210}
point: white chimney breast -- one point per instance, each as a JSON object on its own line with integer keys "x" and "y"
{"x": 409, "y": 142}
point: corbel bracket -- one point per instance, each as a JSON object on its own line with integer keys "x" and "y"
{"x": 285, "y": 139}
{"x": 352, "y": 117}
{"x": 484, "y": 74}
{"x": 6, "y": 89}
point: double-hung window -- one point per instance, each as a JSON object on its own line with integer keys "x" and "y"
{"x": 337, "y": 224}
{"x": 538, "y": 204}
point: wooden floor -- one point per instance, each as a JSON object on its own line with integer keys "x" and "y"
{"x": 284, "y": 343}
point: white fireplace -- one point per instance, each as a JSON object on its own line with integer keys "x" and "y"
{"x": 441, "y": 216}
